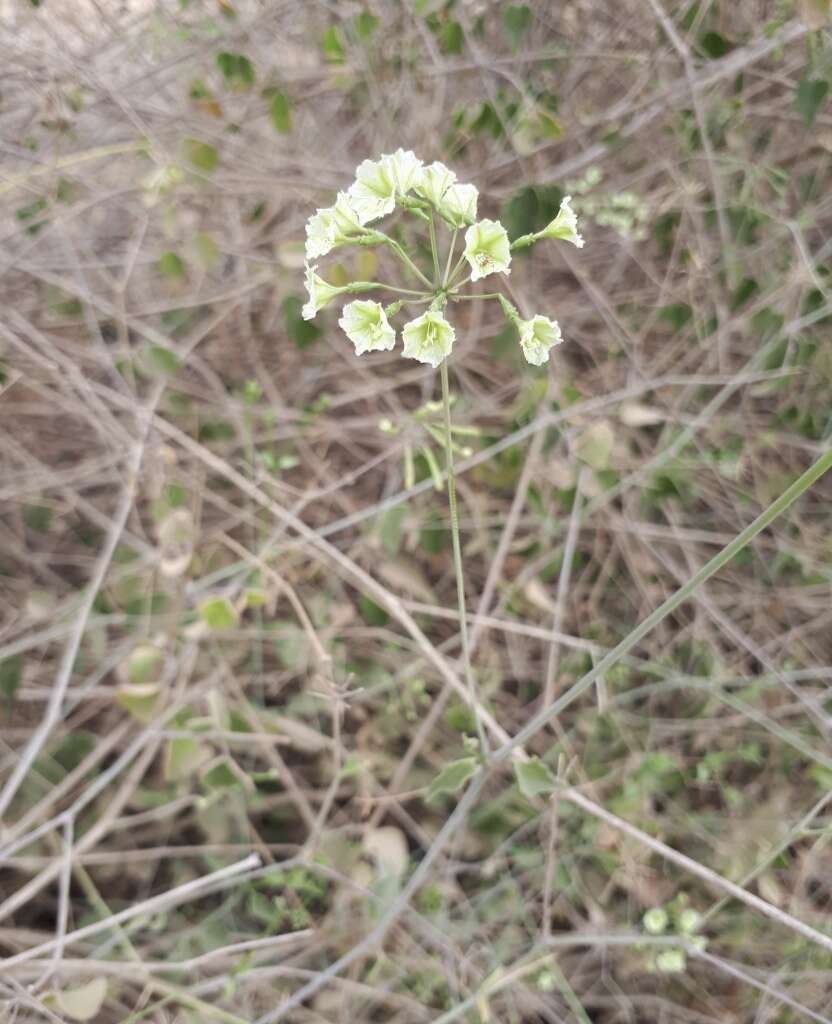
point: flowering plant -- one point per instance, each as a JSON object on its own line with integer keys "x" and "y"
{"x": 432, "y": 194}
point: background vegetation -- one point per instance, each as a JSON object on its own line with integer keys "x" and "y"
{"x": 229, "y": 657}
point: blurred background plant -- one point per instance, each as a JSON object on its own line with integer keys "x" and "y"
{"x": 226, "y": 588}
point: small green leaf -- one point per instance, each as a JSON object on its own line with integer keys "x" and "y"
{"x": 451, "y": 37}
{"x": 595, "y": 445}
{"x": 171, "y": 265}
{"x": 516, "y": 20}
{"x": 281, "y": 113}
{"x": 163, "y": 359}
{"x": 236, "y": 68}
{"x": 200, "y": 155}
{"x": 183, "y": 756}
{"x": 809, "y": 97}
{"x": 677, "y": 314}
{"x": 534, "y": 778}
{"x": 141, "y": 700}
{"x": 220, "y": 776}
{"x": 452, "y": 777}
{"x": 11, "y": 673}
{"x": 302, "y": 332}
{"x": 82, "y": 1003}
{"x": 714, "y": 45}
{"x": 206, "y": 250}
{"x": 333, "y": 48}
{"x": 390, "y": 525}
{"x": 144, "y": 663}
{"x": 37, "y": 517}
{"x": 218, "y": 613}
{"x": 365, "y": 25}
{"x": 373, "y": 614}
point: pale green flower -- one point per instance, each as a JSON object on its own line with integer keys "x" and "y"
{"x": 459, "y": 205}
{"x": 487, "y": 249}
{"x": 331, "y": 227}
{"x": 537, "y": 336}
{"x": 688, "y": 921}
{"x": 564, "y": 226}
{"x": 365, "y": 323}
{"x": 373, "y": 193}
{"x": 320, "y": 292}
{"x": 671, "y": 961}
{"x": 655, "y": 920}
{"x": 404, "y": 169}
{"x": 429, "y": 338}
{"x": 434, "y": 182}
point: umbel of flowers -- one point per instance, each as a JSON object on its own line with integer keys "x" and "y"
{"x": 431, "y": 194}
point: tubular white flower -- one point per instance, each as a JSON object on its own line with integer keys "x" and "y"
{"x": 537, "y": 336}
{"x": 429, "y": 338}
{"x": 487, "y": 249}
{"x": 373, "y": 193}
{"x": 564, "y": 226}
{"x": 459, "y": 205}
{"x": 404, "y": 169}
{"x": 320, "y": 293}
{"x": 332, "y": 226}
{"x": 365, "y": 323}
{"x": 434, "y": 182}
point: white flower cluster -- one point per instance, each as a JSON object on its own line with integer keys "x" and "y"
{"x": 427, "y": 191}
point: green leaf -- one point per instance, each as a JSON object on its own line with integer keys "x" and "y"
{"x": 281, "y": 113}
{"x": 677, "y": 314}
{"x": 171, "y": 265}
{"x": 37, "y": 517}
{"x": 714, "y": 45}
{"x": 200, "y": 155}
{"x": 236, "y": 68}
{"x": 516, "y": 20}
{"x": 144, "y": 663}
{"x": 206, "y": 249}
{"x": 452, "y": 777}
{"x": 333, "y": 48}
{"x": 595, "y": 445}
{"x": 390, "y": 528}
{"x": 373, "y": 614}
{"x": 163, "y": 359}
{"x": 365, "y": 24}
{"x": 809, "y": 97}
{"x": 302, "y": 332}
{"x": 255, "y": 597}
{"x": 141, "y": 700}
{"x": 534, "y": 778}
{"x": 218, "y": 613}
{"x": 451, "y": 37}
{"x": 220, "y": 776}
{"x": 82, "y": 1003}
{"x": 183, "y": 756}
{"x": 11, "y": 673}
{"x": 530, "y": 209}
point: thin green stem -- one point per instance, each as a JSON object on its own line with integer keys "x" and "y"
{"x": 489, "y": 295}
{"x": 460, "y": 581}
{"x": 433, "y": 250}
{"x": 790, "y": 495}
{"x": 401, "y": 291}
{"x": 406, "y": 260}
{"x": 451, "y": 248}
{"x": 457, "y": 267}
